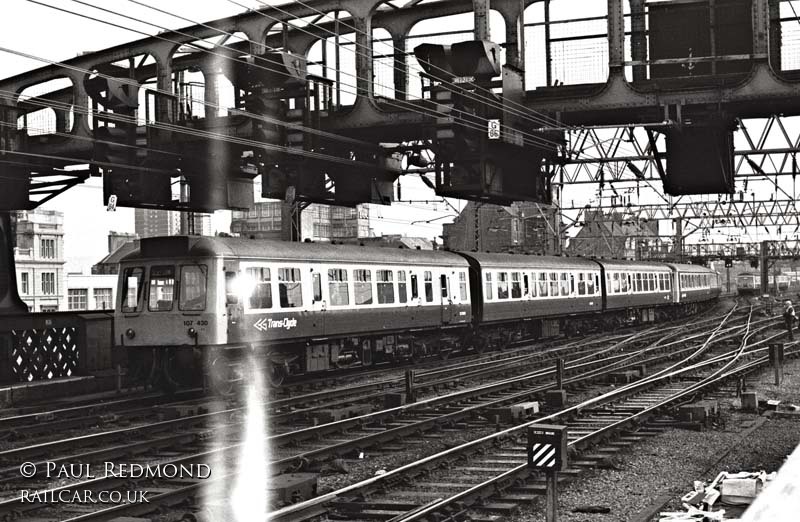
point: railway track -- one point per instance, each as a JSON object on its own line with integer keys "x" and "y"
{"x": 492, "y": 471}
{"x": 193, "y": 436}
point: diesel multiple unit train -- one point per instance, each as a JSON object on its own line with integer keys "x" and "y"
{"x": 185, "y": 301}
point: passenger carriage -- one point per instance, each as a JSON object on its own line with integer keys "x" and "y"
{"x": 638, "y": 288}
{"x": 695, "y": 284}
{"x": 311, "y": 306}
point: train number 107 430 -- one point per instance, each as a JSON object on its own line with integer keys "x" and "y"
{"x": 192, "y": 322}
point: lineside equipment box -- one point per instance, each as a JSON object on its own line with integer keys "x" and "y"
{"x": 547, "y": 447}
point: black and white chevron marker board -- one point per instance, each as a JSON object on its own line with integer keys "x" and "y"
{"x": 547, "y": 447}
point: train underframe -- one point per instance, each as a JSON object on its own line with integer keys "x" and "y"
{"x": 223, "y": 367}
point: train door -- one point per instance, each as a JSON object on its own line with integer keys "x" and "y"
{"x": 447, "y": 299}
{"x": 319, "y": 304}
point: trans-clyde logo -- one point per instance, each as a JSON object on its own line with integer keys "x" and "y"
{"x": 266, "y": 323}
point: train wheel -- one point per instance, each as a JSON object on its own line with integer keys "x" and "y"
{"x": 276, "y": 374}
{"x": 221, "y": 376}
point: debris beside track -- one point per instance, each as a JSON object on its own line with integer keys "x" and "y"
{"x": 654, "y": 474}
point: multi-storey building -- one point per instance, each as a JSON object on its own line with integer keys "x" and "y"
{"x": 520, "y": 227}
{"x": 39, "y": 258}
{"x": 317, "y": 222}
{"x": 91, "y": 292}
{"x": 153, "y": 222}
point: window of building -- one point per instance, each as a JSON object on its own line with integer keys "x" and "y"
{"x": 193, "y": 288}
{"x": 261, "y": 281}
{"x": 502, "y": 285}
{"x": 402, "y": 291}
{"x": 48, "y": 283}
{"x": 290, "y": 288}
{"x": 102, "y": 299}
{"x": 337, "y": 287}
{"x": 48, "y": 248}
{"x": 24, "y": 283}
{"x": 78, "y": 298}
{"x": 132, "y": 288}
{"x": 428, "y": 276}
{"x": 385, "y": 281}
{"x": 49, "y": 308}
{"x": 362, "y": 286}
{"x": 488, "y": 287}
{"x": 516, "y": 287}
{"x": 462, "y": 286}
{"x": 162, "y": 286}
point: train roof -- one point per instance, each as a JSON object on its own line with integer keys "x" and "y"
{"x": 203, "y": 246}
{"x": 697, "y": 269}
{"x": 487, "y": 260}
{"x": 624, "y": 264}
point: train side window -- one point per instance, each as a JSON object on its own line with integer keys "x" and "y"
{"x": 590, "y": 284}
{"x": 428, "y": 277}
{"x": 624, "y": 282}
{"x": 534, "y": 285}
{"x": 488, "y": 287}
{"x": 564, "y": 284}
{"x": 132, "y": 288}
{"x": 553, "y": 284}
{"x": 516, "y": 288}
{"x": 193, "y": 287}
{"x": 337, "y": 287}
{"x": 597, "y": 284}
{"x": 385, "y": 286}
{"x": 571, "y": 283}
{"x": 362, "y": 286}
{"x": 402, "y": 291}
{"x": 443, "y": 285}
{"x": 615, "y": 283}
{"x": 261, "y": 294}
{"x": 526, "y": 289}
{"x": 543, "y": 285}
{"x": 162, "y": 288}
{"x": 462, "y": 285}
{"x": 290, "y": 287}
{"x": 414, "y": 287}
{"x": 637, "y": 283}
{"x": 316, "y": 285}
{"x": 581, "y": 283}
{"x": 502, "y": 285}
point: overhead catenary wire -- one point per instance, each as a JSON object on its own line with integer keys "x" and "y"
{"x": 407, "y": 107}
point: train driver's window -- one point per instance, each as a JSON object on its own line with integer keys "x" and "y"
{"x": 385, "y": 286}
{"x": 488, "y": 293}
{"x": 543, "y": 284}
{"x": 132, "y": 288}
{"x": 290, "y": 288}
{"x": 581, "y": 283}
{"x": 162, "y": 288}
{"x": 402, "y": 291}
{"x": 414, "y": 287}
{"x": 337, "y": 287}
{"x": 193, "y": 287}
{"x": 428, "y": 277}
{"x": 362, "y": 286}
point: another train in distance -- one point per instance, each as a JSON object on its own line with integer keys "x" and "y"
{"x": 186, "y": 302}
